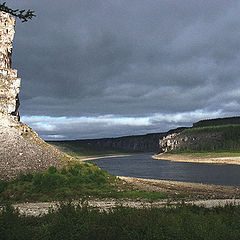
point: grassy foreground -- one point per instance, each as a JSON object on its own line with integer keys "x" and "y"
{"x": 182, "y": 222}
{"x": 81, "y": 180}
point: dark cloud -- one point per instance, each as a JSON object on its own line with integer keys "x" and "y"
{"x": 130, "y": 59}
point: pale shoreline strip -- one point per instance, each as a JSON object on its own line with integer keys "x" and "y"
{"x": 197, "y": 159}
{"x": 42, "y": 208}
{"x": 99, "y": 157}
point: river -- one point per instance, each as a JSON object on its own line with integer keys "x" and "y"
{"x": 143, "y": 166}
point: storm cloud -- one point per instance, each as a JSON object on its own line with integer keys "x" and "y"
{"x": 103, "y": 68}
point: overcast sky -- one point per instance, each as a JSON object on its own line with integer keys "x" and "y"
{"x": 104, "y": 68}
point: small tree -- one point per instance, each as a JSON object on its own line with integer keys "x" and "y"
{"x": 23, "y": 15}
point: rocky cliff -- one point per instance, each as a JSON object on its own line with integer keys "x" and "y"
{"x": 138, "y": 143}
{"x": 185, "y": 141}
{"x": 9, "y": 82}
{"x": 21, "y": 150}
{"x": 135, "y": 143}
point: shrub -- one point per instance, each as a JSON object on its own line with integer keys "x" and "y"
{"x": 48, "y": 181}
{"x": 3, "y": 185}
{"x": 52, "y": 170}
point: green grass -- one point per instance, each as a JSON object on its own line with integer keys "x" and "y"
{"x": 82, "y": 180}
{"x": 179, "y": 223}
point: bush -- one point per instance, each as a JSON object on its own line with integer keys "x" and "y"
{"x": 52, "y": 170}
{"x": 25, "y": 177}
{"x": 48, "y": 181}
{"x": 3, "y": 185}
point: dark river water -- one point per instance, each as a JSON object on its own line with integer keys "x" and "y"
{"x": 143, "y": 166}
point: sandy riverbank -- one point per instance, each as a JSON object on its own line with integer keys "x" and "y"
{"x": 82, "y": 159}
{"x": 197, "y": 159}
{"x": 191, "y": 191}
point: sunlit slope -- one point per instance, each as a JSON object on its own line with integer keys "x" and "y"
{"x": 22, "y": 150}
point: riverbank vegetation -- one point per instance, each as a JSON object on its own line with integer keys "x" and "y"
{"x": 76, "y": 222}
{"x": 81, "y": 180}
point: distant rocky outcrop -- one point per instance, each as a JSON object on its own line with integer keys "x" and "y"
{"x": 206, "y": 135}
{"x": 21, "y": 149}
{"x": 186, "y": 141}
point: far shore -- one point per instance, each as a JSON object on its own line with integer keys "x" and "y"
{"x": 82, "y": 159}
{"x": 191, "y": 158}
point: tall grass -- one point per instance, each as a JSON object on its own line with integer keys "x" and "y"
{"x": 180, "y": 223}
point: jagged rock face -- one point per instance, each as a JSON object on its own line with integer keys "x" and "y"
{"x": 180, "y": 141}
{"x": 9, "y": 82}
{"x": 172, "y": 142}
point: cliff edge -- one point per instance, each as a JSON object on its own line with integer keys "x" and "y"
{"x": 21, "y": 149}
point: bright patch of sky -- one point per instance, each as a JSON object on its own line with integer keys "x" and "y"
{"x": 77, "y": 127}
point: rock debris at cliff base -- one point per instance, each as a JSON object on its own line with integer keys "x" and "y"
{"x": 21, "y": 150}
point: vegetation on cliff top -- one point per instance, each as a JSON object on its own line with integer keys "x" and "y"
{"x": 23, "y": 15}
{"x": 217, "y": 122}
{"x": 227, "y": 140}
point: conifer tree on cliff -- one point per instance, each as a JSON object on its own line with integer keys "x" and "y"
{"x": 23, "y": 15}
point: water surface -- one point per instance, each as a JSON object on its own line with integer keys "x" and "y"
{"x": 143, "y": 166}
